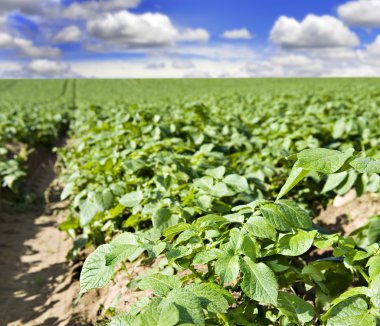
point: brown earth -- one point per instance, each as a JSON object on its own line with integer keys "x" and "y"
{"x": 349, "y": 212}
{"x": 38, "y": 287}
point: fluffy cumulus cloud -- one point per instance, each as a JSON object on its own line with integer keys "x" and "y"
{"x": 91, "y": 9}
{"x": 363, "y": 13}
{"x": 153, "y": 46}
{"x": 291, "y": 60}
{"x": 25, "y": 6}
{"x": 130, "y": 30}
{"x": 312, "y": 32}
{"x": 26, "y": 47}
{"x": 374, "y": 48}
{"x": 3, "y": 22}
{"x": 194, "y": 35}
{"x": 236, "y": 34}
{"x": 69, "y": 34}
{"x": 285, "y": 65}
{"x": 336, "y": 54}
{"x": 39, "y": 68}
{"x": 147, "y": 30}
{"x": 48, "y": 68}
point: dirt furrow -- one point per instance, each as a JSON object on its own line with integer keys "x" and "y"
{"x": 37, "y": 284}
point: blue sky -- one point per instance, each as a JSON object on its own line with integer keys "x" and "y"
{"x": 189, "y": 38}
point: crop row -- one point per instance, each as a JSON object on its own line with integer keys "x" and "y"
{"x": 197, "y": 158}
{"x": 194, "y": 184}
{"x": 252, "y": 266}
{"x": 21, "y": 129}
{"x": 198, "y": 185}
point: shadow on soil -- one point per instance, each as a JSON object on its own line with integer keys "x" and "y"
{"x": 27, "y": 280}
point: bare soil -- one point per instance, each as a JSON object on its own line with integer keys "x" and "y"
{"x": 349, "y": 212}
{"x": 38, "y": 287}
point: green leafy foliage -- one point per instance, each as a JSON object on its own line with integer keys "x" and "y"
{"x": 296, "y": 244}
{"x": 132, "y": 199}
{"x": 96, "y": 273}
{"x": 227, "y": 267}
{"x": 12, "y": 167}
{"x": 257, "y": 251}
{"x": 259, "y": 282}
{"x": 160, "y": 284}
{"x": 344, "y": 170}
{"x": 161, "y": 180}
{"x": 295, "y": 308}
{"x": 353, "y": 311}
{"x": 322, "y": 160}
{"x": 32, "y": 114}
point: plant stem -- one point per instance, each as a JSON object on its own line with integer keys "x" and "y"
{"x": 363, "y": 274}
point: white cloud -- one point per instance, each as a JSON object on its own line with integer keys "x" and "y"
{"x": 315, "y": 46}
{"x": 336, "y": 54}
{"x": 156, "y": 65}
{"x": 374, "y": 48}
{"x": 91, "y": 9}
{"x": 197, "y": 74}
{"x": 216, "y": 52}
{"x": 40, "y": 68}
{"x": 132, "y": 31}
{"x": 350, "y": 71}
{"x": 235, "y": 34}
{"x": 286, "y": 65}
{"x": 7, "y": 67}
{"x": 312, "y": 32}
{"x": 141, "y": 68}
{"x": 182, "y": 64}
{"x": 69, "y": 34}
{"x": 364, "y": 13}
{"x": 194, "y": 35}
{"x": 48, "y": 68}
{"x": 291, "y": 60}
{"x": 35, "y": 9}
{"x": 25, "y": 6}
{"x": 3, "y": 22}
{"x": 6, "y": 41}
{"x": 128, "y": 30}
{"x": 279, "y": 63}
{"x": 26, "y": 47}
{"x": 118, "y": 4}
{"x": 80, "y": 10}
{"x": 95, "y": 47}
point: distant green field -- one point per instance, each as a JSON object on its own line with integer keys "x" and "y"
{"x": 148, "y": 90}
{"x": 34, "y": 91}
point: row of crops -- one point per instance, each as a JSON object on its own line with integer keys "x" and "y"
{"x": 21, "y": 129}
{"x": 32, "y": 113}
{"x": 219, "y": 192}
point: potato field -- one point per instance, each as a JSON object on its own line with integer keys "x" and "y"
{"x": 198, "y": 202}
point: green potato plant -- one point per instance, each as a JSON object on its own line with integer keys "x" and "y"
{"x": 253, "y": 265}
{"x": 183, "y": 165}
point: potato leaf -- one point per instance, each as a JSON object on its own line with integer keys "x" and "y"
{"x": 322, "y": 160}
{"x": 259, "y": 282}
